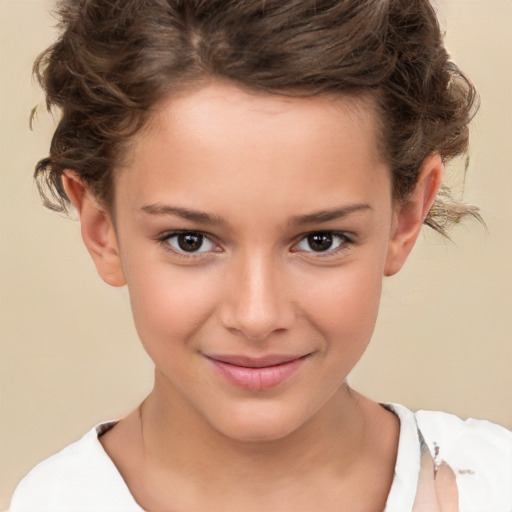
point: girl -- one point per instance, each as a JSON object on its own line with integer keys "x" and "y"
{"x": 251, "y": 170}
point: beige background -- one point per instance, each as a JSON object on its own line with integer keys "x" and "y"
{"x": 69, "y": 354}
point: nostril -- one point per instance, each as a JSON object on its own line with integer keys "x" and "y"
{"x": 256, "y": 324}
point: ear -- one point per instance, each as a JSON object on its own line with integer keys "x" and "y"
{"x": 97, "y": 229}
{"x": 409, "y": 216}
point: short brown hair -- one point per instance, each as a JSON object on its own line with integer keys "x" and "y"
{"x": 115, "y": 59}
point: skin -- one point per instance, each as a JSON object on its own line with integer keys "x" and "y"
{"x": 259, "y": 166}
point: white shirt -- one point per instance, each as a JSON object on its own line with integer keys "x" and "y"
{"x": 83, "y": 478}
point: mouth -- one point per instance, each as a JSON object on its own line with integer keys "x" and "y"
{"x": 257, "y": 374}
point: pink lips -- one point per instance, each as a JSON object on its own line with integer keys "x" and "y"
{"x": 257, "y": 374}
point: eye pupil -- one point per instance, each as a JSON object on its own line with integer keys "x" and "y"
{"x": 190, "y": 241}
{"x": 320, "y": 241}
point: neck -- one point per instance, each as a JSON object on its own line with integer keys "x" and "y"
{"x": 172, "y": 458}
{"x": 175, "y": 437}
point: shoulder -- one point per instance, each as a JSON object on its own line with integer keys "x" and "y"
{"x": 477, "y": 444}
{"x": 81, "y": 477}
{"x": 479, "y": 453}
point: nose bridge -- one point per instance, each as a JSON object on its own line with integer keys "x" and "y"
{"x": 257, "y": 304}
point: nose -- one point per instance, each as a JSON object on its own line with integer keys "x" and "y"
{"x": 256, "y": 303}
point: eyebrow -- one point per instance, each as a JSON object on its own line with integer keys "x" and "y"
{"x": 329, "y": 214}
{"x": 207, "y": 218}
{"x": 184, "y": 213}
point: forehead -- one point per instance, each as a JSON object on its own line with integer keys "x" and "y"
{"x": 222, "y": 104}
{"x": 220, "y": 141}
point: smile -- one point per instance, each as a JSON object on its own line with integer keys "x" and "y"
{"x": 257, "y": 374}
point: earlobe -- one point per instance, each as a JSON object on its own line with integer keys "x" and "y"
{"x": 97, "y": 228}
{"x": 410, "y": 215}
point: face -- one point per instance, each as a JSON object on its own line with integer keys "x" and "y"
{"x": 253, "y": 233}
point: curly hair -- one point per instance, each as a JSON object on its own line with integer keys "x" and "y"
{"x": 116, "y": 59}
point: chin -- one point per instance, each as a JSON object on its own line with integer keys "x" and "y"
{"x": 257, "y": 425}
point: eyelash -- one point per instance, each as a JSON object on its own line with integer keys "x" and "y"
{"x": 345, "y": 243}
{"x": 165, "y": 238}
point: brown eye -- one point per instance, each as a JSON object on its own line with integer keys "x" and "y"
{"x": 323, "y": 242}
{"x": 320, "y": 242}
{"x": 190, "y": 242}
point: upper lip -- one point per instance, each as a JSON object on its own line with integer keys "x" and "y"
{"x": 254, "y": 362}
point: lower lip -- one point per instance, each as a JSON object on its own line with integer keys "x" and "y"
{"x": 258, "y": 379}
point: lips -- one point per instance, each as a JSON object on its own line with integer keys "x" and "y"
{"x": 257, "y": 374}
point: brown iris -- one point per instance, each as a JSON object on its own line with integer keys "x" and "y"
{"x": 190, "y": 242}
{"x": 320, "y": 241}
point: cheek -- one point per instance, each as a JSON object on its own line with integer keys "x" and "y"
{"x": 343, "y": 304}
{"x": 170, "y": 304}
{"x": 347, "y": 301}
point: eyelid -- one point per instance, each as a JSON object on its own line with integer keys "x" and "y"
{"x": 348, "y": 241}
{"x": 164, "y": 237}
